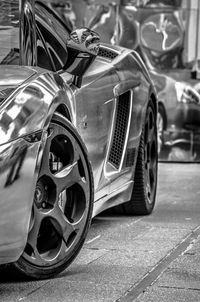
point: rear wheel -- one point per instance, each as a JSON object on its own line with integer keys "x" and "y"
{"x": 62, "y": 206}
{"x": 145, "y": 182}
{"x": 161, "y": 127}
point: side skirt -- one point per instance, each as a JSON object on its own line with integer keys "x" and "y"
{"x": 121, "y": 195}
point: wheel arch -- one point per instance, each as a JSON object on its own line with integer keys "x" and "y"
{"x": 64, "y": 111}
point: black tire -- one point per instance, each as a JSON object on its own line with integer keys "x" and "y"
{"x": 145, "y": 182}
{"x": 161, "y": 121}
{"x": 63, "y": 204}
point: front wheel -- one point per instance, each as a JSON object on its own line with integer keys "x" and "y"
{"x": 145, "y": 182}
{"x": 62, "y": 206}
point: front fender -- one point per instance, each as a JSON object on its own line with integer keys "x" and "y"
{"x": 29, "y": 108}
{"x": 18, "y": 165}
{"x": 24, "y": 119}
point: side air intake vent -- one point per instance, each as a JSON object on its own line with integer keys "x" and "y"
{"x": 120, "y": 130}
{"x": 107, "y": 53}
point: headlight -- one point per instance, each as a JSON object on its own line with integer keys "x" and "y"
{"x": 186, "y": 93}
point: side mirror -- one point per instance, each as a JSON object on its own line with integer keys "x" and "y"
{"x": 83, "y": 46}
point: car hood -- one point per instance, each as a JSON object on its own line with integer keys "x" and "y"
{"x": 11, "y": 77}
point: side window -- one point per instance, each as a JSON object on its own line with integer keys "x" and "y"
{"x": 43, "y": 59}
{"x": 50, "y": 52}
{"x": 27, "y": 34}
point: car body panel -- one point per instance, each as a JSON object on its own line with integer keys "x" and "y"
{"x": 17, "y": 180}
{"x": 95, "y": 123}
{"x": 14, "y": 76}
{"x": 26, "y": 109}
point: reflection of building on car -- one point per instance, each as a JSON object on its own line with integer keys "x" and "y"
{"x": 15, "y": 166}
{"x": 63, "y": 9}
{"x": 78, "y": 135}
{"x": 165, "y": 34}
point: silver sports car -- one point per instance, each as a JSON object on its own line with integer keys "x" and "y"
{"x": 77, "y": 136}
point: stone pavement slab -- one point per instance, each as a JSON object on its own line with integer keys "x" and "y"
{"x": 180, "y": 281}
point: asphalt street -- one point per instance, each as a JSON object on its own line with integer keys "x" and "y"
{"x": 145, "y": 258}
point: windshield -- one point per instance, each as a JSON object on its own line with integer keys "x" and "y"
{"x": 9, "y": 32}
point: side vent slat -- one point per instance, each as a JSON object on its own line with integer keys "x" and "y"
{"x": 120, "y": 130}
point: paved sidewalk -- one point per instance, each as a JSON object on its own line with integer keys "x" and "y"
{"x": 180, "y": 281}
{"x": 153, "y": 258}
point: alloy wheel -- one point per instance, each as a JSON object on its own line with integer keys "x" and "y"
{"x": 62, "y": 201}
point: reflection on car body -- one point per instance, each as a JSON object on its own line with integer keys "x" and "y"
{"x": 78, "y": 135}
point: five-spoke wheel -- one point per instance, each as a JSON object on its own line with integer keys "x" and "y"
{"x": 62, "y": 205}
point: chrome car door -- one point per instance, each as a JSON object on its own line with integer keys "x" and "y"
{"x": 95, "y": 107}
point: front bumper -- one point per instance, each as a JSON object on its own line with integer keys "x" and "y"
{"x": 17, "y": 182}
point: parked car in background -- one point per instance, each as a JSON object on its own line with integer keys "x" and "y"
{"x": 78, "y": 135}
{"x": 162, "y": 40}
{"x": 165, "y": 33}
